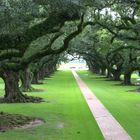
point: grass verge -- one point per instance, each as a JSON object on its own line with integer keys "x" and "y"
{"x": 123, "y": 104}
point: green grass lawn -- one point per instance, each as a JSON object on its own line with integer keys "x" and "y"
{"x": 123, "y": 104}
{"x": 66, "y": 113}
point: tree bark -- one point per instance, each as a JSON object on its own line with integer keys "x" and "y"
{"x": 116, "y": 75}
{"x": 103, "y": 71}
{"x": 127, "y": 78}
{"x": 109, "y": 74}
{"x": 12, "y": 90}
{"x": 35, "y": 79}
{"x": 26, "y": 78}
{"x": 42, "y": 74}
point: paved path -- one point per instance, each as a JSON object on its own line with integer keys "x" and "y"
{"x": 109, "y": 126}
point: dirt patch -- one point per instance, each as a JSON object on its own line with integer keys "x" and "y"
{"x": 138, "y": 105}
{"x": 60, "y": 125}
{"x": 32, "y": 124}
{"x": 12, "y": 121}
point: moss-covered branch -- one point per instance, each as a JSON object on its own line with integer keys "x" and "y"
{"x": 52, "y": 24}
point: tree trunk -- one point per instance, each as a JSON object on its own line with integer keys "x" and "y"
{"x": 48, "y": 72}
{"x": 103, "y": 71}
{"x": 12, "y": 90}
{"x": 109, "y": 75}
{"x": 42, "y": 74}
{"x": 35, "y": 79}
{"x": 116, "y": 76}
{"x": 96, "y": 70}
{"x": 26, "y": 78}
{"x": 127, "y": 79}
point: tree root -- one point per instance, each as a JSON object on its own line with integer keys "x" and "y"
{"x": 27, "y": 89}
{"x": 21, "y": 99}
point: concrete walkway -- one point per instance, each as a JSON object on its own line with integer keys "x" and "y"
{"x": 109, "y": 126}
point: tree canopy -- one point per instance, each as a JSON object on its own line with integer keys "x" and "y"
{"x": 35, "y": 35}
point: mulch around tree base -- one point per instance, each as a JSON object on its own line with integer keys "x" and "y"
{"x": 12, "y": 121}
{"x": 135, "y": 90}
{"x": 38, "y": 90}
{"x": 25, "y": 99}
